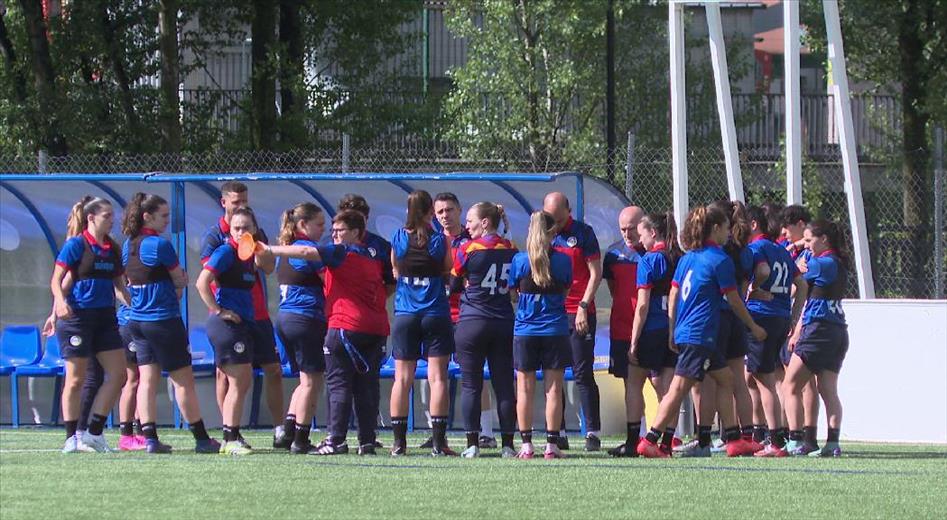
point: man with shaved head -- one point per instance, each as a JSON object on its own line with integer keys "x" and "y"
{"x": 577, "y": 240}
{"x": 620, "y": 271}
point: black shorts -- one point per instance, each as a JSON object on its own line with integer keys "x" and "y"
{"x": 233, "y": 342}
{"x": 695, "y": 361}
{"x": 88, "y": 332}
{"x": 618, "y": 357}
{"x": 762, "y": 356}
{"x": 732, "y": 336}
{"x": 653, "y": 352}
{"x": 416, "y": 336}
{"x": 264, "y": 343}
{"x": 163, "y": 342}
{"x": 304, "y": 338}
{"x": 822, "y": 346}
{"x": 128, "y": 342}
{"x": 531, "y": 353}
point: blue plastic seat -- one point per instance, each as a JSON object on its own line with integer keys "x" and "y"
{"x": 201, "y": 348}
{"x": 50, "y": 365}
{"x": 19, "y": 346}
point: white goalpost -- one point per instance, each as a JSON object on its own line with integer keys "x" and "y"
{"x": 843, "y": 118}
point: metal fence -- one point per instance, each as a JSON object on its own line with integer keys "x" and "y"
{"x": 903, "y": 232}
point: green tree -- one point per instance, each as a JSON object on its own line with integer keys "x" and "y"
{"x": 900, "y": 45}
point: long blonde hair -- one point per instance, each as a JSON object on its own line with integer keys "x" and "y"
{"x": 79, "y": 216}
{"x": 538, "y": 244}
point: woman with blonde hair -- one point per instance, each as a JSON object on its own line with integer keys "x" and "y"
{"x": 542, "y": 277}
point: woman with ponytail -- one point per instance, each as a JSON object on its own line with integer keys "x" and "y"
{"x": 301, "y": 322}
{"x": 701, "y": 277}
{"x": 84, "y": 306}
{"x": 648, "y": 353}
{"x": 819, "y": 340}
{"x": 422, "y": 327}
{"x": 156, "y": 282}
{"x": 542, "y": 277}
{"x": 485, "y": 327}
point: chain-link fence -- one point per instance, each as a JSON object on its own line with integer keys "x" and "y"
{"x": 899, "y": 193}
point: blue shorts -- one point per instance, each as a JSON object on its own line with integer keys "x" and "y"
{"x": 416, "y": 336}
{"x": 762, "y": 356}
{"x": 695, "y": 361}
{"x": 732, "y": 336}
{"x": 233, "y": 342}
{"x": 128, "y": 342}
{"x": 822, "y": 346}
{"x": 264, "y": 343}
{"x": 653, "y": 352}
{"x": 531, "y": 353}
{"x": 161, "y": 342}
{"x": 304, "y": 337}
{"x": 88, "y": 332}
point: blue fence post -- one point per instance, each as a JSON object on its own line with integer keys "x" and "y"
{"x": 579, "y": 197}
{"x": 179, "y": 236}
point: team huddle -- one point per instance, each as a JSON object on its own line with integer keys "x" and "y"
{"x": 755, "y": 303}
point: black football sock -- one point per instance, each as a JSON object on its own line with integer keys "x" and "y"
{"x": 833, "y": 435}
{"x": 301, "y": 434}
{"x": 506, "y": 440}
{"x": 439, "y": 427}
{"x": 149, "y": 430}
{"x": 125, "y": 429}
{"x": 632, "y": 432}
{"x": 703, "y": 436}
{"x": 526, "y": 436}
{"x": 399, "y": 426}
{"x": 97, "y": 424}
{"x": 289, "y": 424}
{"x": 473, "y": 439}
{"x": 809, "y": 435}
{"x": 231, "y": 433}
{"x": 71, "y": 427}
{"x": 653, "y": 435}
{"x": 668, "y": 437}
{"x": 199, "y": 431}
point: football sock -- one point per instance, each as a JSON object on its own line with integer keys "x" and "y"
{"x": 833, "y": 435}
{"x": 439, "y": 425}
{"x": 506, "y": 439}
{"x": 668, "y": 437}
{"x": 653, "y": 435}
{"x": 97, "y": 424}
{"x": 703, "y": 436}
{"x": 231, "y": 433}
{"x": 200, "y": 432}
{"x": 809, "y": 434}
{"x": 399, "y": 426}
{"x": 300, "y": 434}
{"x": 526, "y": 436}
{"x": 125, "y": 429}
{"x": 473, "y": 439}
{"x": 632, "y": 432}
{"x": 289, "y": 424}
{"x": 71, "y": 427}
{"x": 149, "y": 430}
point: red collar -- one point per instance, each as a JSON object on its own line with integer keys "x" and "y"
{"x": 302, "y": 236}
{"x": 710, "y": 243}
{"x": 827, "y": 252}
{"x": 224, "y": 226}
{"x": 658, "y": 246}
{"x": 90, "y": 238}
{"x": 757, "y": 237}
{"x": 233, "y": 243}
{"x": 148, "y": 232}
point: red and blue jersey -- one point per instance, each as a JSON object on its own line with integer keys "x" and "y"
{"x": 301, "y": 288}
{"x": 94, "y": 267}
{"x": 743, "y": 265}
{"x": 485, "y": 264}
{"x": 795, "y": 252}
{"x": 148, "y": 259}
{"x": 702, "y": 275}
{"x": 421, "y": 288}
{"x": 577, "y": 241}
{"x": 782, "y": 273}
{"x": 219, "y": 234}
{"x": 456, "y": 243}
{"x": 620, "y": 265}
{"x": 235, "y": 280}
{"x": 655, "y": 272}
{"x": 355, "y": 286}
{"x": 122, "y": 315}
{"x": 828, "y": 280}
{"x": 541, "y": 311}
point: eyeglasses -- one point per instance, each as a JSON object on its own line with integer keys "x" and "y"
{"x": 336, "y": 231}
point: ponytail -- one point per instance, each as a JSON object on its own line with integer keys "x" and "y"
{"x": 664, "y": 227}
{"x": 700, "y": 222}
{"x": 134, "y": 218}
{"x": 739, "y": 224}
{"x": 78, "y": 219}
{"x": 538, "y": 244}
{"x": 303, "y": 212}
{"x": 494, "y": 213}
{"x": 419, "y": 207}
{"x": 836, "y": 237}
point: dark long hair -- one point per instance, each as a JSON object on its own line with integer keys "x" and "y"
{"x": 134, "y": 218}
{"x": 836, "y": 238}
{"x": 420, "y": 205}
{"x": 664, "y": 226}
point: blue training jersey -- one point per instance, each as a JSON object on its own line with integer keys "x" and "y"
{"x": 122, "y": 315}
{"x": 743, "y": 266}
{"x": 782, "y": 273}
{"x": 235, "y": 280}
{"x": 702, "y": 276}
{"x": 538, "y": 313}
{"x": 94, "y": 267}
{"x": 421, "y": 284}
{"x": 301, "y": 288}
{"x": 654, "y": 273}
{"x": 827, "y": 281}
{"x": 158, "y": 300}
{"x": 485, "y": 265}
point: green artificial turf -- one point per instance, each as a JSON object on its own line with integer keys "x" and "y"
{"x": 869, "y": 481}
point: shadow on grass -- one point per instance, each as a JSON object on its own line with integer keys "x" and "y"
{"x": 895, "y": 455}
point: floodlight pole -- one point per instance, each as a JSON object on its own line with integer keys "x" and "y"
{"x": 728, "y": 130}
{"x": 843, "y": 120}
{"x": 678, "y": 112}
{"x": 793, "y": 111}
